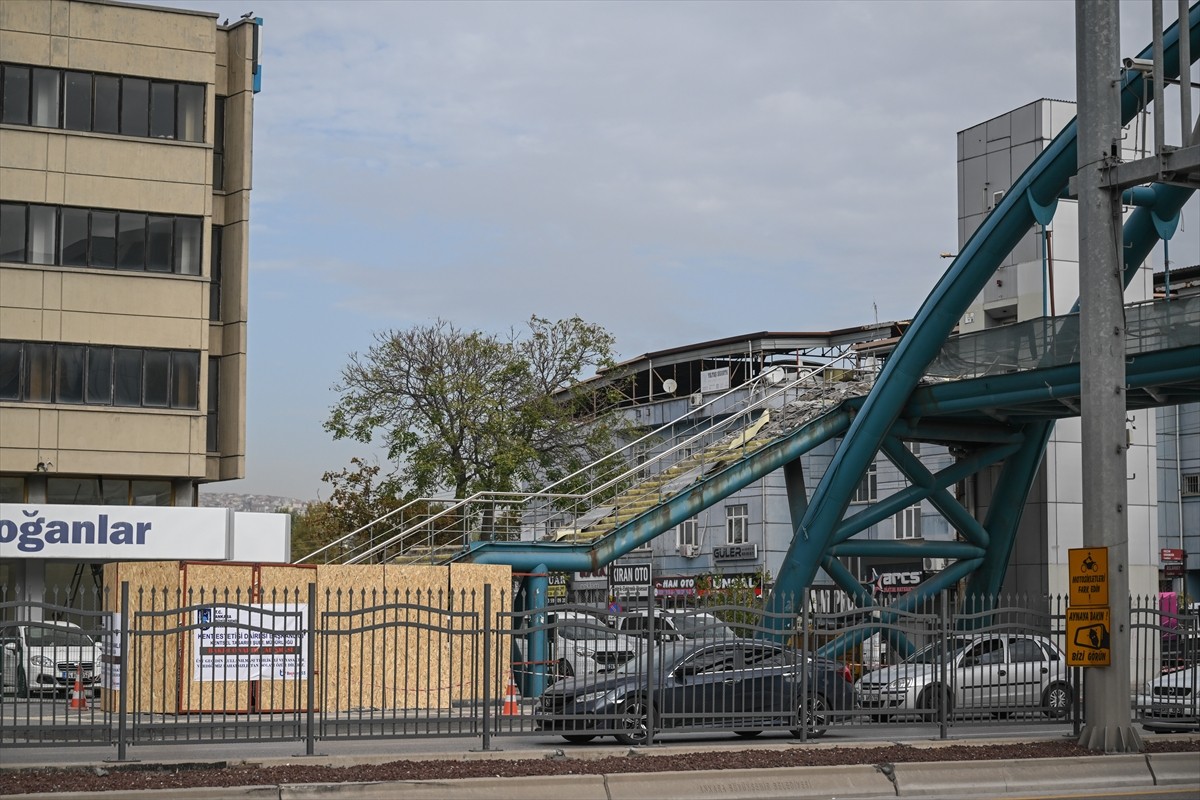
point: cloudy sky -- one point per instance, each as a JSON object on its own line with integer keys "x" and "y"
{"x": 673, "y": 171}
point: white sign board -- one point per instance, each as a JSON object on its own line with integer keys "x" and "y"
{"x": 109, "y": 672}
{"x": 261, "y": 642}
{"x": 714, "y": 380}
{"x": 114, "y": 533}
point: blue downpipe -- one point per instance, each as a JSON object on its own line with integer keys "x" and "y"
{"x": 1041, "y": 183}
{"x": 532, "y": 679}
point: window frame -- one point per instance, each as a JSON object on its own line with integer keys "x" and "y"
{"x": 737, "y": 517}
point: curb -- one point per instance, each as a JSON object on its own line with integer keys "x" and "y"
{"x": 944, "y": 778}
{"x": 1031, "y": 775}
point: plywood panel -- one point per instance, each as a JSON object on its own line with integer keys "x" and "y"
{"x": 152, "y": 661}
{"x": 467, "y": 583}
{"x": 207, "y": 587}
{"x": 286, "y": 585}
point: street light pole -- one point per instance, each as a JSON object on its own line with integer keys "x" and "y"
{"x": 1102, "y": 361}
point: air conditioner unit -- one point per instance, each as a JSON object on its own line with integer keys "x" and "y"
{"x": 689, "y": 550}
{"x": 697, "y": 399}
{"x": 933, "y": 564}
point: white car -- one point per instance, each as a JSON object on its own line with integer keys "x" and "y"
{"x": 674, "y": 625}
{"x": 47, "y": 656}
{"x": 583, "y": 645}
{"x": 990, "y": 673}
{"x": 1170, "y": 702}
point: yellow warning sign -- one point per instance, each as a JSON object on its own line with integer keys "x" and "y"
{"x": 1088, "y": 576}
{"x": 1088, "y": 637}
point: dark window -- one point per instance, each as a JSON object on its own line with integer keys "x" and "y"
{"x": 104, "y": 239}
{"x": 150, "y": 493}
{"x": 127, "y": 377}
{"x": 99, "y": 375}
{"x": 185, "y": 379}
{"x": 214, "y": 264}
{"x": 189, "y": 121}
{"x": 114, "y": 492}
{"x": 212, "y": 440}
{"x": 108, "y": 104}
{"x": 159, "y": 244}
{"x": 1024, "y": 650}
{"x": 74, "y": 239}
{"x": 10, "y": 371}
{"x": 162, "y": 110}
{"x": 16, "y": 95}
{"x": 77, "y": 101}
{"x": 68, "y": 379}
{"x": 42, "y": 234}
{"x": 219, "y": 144}
{"x": 187, "y": 245}
{"x": 131, "y": 241}
{"x": 135, "y": 106}
{"x": 12, "y": 232}
{"x": 39, "y": 372}
{"x": 156, "y": 375}
{"x": 45, "y": 98}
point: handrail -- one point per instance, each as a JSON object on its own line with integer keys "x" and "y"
{"x": 422, "y": 526}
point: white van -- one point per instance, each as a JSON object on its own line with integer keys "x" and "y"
{"x": 45, "y": 657}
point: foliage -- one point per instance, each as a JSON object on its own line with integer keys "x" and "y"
{"x": 468, "y": 411}
{"x": 358, "y": 497}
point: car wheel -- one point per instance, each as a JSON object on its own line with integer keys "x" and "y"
{"x": 933, "y": 698}
{"x": 880, "y": 717}
{"x": 815, "y": 716}
{"x": 747, "y": 734}
{"x": 578, "y": 738}
{"x": 1056, "y": 701}
{"x": 633, "y": 722}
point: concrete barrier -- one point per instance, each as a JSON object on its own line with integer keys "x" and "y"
{"x": 1022, "y": 775}
{"x": 1174, "y": 769}
{"x": 792, "y": 783}
{"x": 547, "y": 787}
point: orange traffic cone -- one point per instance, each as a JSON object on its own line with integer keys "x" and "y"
{"x": 78, "y": 701}
{"x": 512, "y": 699}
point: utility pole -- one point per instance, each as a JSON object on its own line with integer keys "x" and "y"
{"x": 1102, "y": 361}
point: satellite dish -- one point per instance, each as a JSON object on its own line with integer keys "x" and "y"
{"x": 669, "y": 386}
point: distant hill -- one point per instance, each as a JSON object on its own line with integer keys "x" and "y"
{"x": 251, "y": 502}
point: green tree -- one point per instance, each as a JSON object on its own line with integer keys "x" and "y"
{"x": 468, "y": 411}
{"x": 358, "y": 497}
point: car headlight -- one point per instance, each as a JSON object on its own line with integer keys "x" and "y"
{"x": 41, "y": 661}
{"x": 901, "y": 684}
{"x": 589, "y": 697}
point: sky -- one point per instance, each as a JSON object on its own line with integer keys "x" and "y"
{"x": 672, "y": 171}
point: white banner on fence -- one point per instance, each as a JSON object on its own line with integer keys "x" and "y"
{"x": 225, "y": 651}
{"x": 108, "y": 671}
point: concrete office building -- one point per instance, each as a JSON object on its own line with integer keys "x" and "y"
{"x": 125, "y": 175}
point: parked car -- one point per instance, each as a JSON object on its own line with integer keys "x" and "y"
{"x": 996, "y": 673}
{"x": 672, "y": 625}
{"x": 583, "y": 644}
{"x": 1170, "y": 702}
{"x": 45, "y": 657}
{"x": 740, "y": 685}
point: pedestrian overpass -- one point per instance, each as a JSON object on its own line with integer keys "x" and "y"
{"x": 993, "y": 397}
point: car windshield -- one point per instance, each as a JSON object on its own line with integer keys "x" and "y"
{"x": 929, "y": 654}
{"x": 697, "y": 626}
{"x": 57, "y": 637}
{"x": 586, "y": 634}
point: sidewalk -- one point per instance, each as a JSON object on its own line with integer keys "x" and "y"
{"x": 864, "y": 782}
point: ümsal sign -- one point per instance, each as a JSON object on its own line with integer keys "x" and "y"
{"x": 113, "y": 533}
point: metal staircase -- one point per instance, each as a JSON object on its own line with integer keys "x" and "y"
{"x": 616, "y": 488}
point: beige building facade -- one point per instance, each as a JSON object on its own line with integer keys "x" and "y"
{"x": 125, "y": 176}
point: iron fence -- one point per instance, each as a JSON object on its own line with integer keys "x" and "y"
{"x": 201, "y": 666}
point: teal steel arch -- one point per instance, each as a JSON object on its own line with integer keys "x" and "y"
{"x": 895, "y": 409}
{"x": 1038, "y": 188}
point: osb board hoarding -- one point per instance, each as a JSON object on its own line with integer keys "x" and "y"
{"x": 153, "y": 661}
{"x": 394, "y": 637}
{"x": 256, "y": 662}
